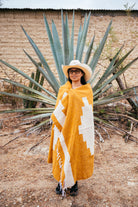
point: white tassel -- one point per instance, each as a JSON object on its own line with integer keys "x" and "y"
{"x": 50, "y": 121}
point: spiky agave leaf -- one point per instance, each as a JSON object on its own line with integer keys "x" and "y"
{"x": 102, "y": 92}
{"x": 34, "y": 91}
{"x": 38, "y": 116}
{"x": 65, "y": 37}
{"x": 27, "y": 77}
{"x": 89, "y": 50}
{"x": 36, "y": 110}
{"x": 42, "y": 71}
{"x": 83, "y": 38}
{"x": 59, "y": 53}
{"x": 111, "y": 68}
{"x": 78, "y": 41}
{"x": 122, "y": 70}
{"x": 117, "y": 96}
{"x": 99, "y": 50}
{"x": 71, "y": 48}
{"x": 97, "y": 53}
{"x": 108, "y": 71}
{"x": 27, "y": 97}
{"x": 56, "y": 48}
{"x": 43, "y": 61}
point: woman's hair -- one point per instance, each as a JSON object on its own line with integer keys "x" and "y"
{"x": 83, "y": 81}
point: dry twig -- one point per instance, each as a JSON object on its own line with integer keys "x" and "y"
{"x": 41, "y": 140}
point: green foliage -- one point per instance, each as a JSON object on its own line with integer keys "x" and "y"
{"x": 128, "y": 8}
{"x": 38, "y": 77}
{"x": 4, "y": 99}
{"x": 117, "y": 109}
{"x": 102, "y": 111}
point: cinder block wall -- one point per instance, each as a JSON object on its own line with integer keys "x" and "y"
{"x": 13, "y": 40}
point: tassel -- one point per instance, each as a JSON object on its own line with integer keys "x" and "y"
{"x": 63, "y": 190}
{"x": 50, "y": 121}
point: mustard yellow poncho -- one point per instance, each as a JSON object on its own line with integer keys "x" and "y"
{"x": 72, "y": 139}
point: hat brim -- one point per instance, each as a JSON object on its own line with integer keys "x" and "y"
{"x": 87, "y": 71}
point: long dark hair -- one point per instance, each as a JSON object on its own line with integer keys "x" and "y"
{"x": 83, "y": 81}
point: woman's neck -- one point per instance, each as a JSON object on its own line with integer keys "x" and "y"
{"x": 76, "y": 84}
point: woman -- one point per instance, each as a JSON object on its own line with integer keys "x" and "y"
{"x": 72, "y": 139}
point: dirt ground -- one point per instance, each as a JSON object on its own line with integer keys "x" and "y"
{"x": 26, "y": 179}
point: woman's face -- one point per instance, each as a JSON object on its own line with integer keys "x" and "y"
{"x": 75, "y": 74}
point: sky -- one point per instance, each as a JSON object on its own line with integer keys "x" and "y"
{"x": 69, "y": 4}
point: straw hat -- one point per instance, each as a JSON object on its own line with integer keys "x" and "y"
{"x": 76, "y": 64}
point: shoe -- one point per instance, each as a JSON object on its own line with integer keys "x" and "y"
{"x": 58, "y": 189}
{"x": 74, "y": 189}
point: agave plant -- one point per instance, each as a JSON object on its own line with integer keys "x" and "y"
{"x": 63, "y": 54}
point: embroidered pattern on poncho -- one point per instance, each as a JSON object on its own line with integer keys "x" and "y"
{"x": 72, "y": 139}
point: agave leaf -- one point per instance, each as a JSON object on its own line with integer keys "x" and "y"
{"x": 98, "y": 52}
{"x": 78, "y": 41}
{"x": 29, "y": 89}
{"x": 22, "y": 96}
{"x": 43, "y": 61}
{"x": 93, "y": 79}
{"x": 88, "y": 53}
{"x": 81, "y": 32}
{"x": 51, "y": 41}
{"x": 115, "y": 97}
{"x": 42, "y": 99}
{"x": 40, "y": 116}
{"x": 108, "y": 71}
{"x": 103, "y": 91}
{"x": 27, "y": 77}
{"x": 71, "y": 48}
{"x": 42, "y": 71}
{"x": 135, "y": 94}
{"x": 65, "y": 36}
{"x": 136, "y": 105}
{"x": 37, "y": 77}
{"x": 38, "y": 112}
{"x": 111, "y": 68}
{"x": 115, "y": 76}
{"x": 109, "y": 100}
{"x": 83, "y": 38}
{"x": 123, "y": 58}
{"x": 45, "y": 110}
{"x": 59, "y": 53}
{"x": 136, "y": 97}
{"x": 128, "y": 91}
{"x": 67, "y": 29}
